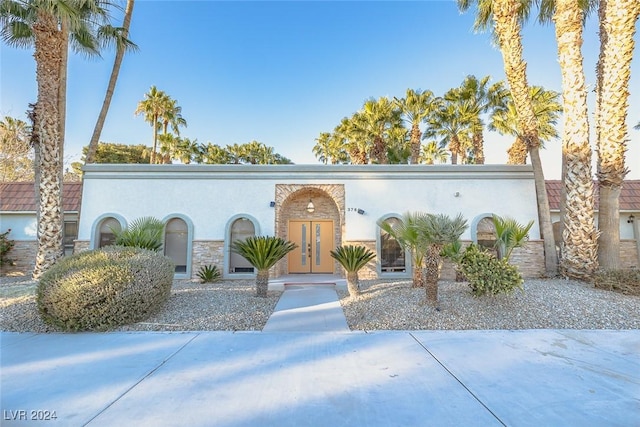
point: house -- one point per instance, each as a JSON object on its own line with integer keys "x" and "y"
{"x": 319, "y": 207}
{"x": 629, "y": 218}
{"x": 18, "y": 213}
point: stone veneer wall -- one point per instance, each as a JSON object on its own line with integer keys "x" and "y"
{"x": 291, "y": 203}
{"x": 628, "y": 254}
{"x": 23, "y": 255}
{"x": 206, "y": 252}
{"x": 80, "y": 245}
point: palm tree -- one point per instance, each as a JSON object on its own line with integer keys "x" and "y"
{"x": 504, "y": 120}
{"x": 212, "y": 154}
{"x": 416, "y": 107}
{"x": 153, "y": 106}
{"x": 122, "y": 46}
{"x": 352, "y": 259}
{"x": 373, "y": 122}
{"x": 50, "y": 27}
{"x": 432, "y": 152}
{"x": 482, "y": 99}
{"x": 405, "y": 232}
{"x": 434, "y": 233}
{"x": 172, "y": 116}
{"x": 510, "y": 234}
{"x": 617, "y": 27}
{"x": 330, "y": 148}
{"x": 187, "y": 150}
{"x": 452, "y": 121}
{"x": 579, "y": 236}
{"x": 507, "y": 16}
{"x": 322, "y": 148}
{"x": 398, "y": 146}
{"x": 262, "y": 252}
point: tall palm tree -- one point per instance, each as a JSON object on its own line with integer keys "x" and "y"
{"x": 507, "y": 17}
{"x": 153, "y": 106}
{"x": 432, "y": 152}
{"x": 434, "y": 233}
{"x": 172, "y": 116}
{"x": 373, "y": 122}
{"x": 482, "y": 98}
{"x": 504, "y": 120}
{"x": 416, "y": 107}
{"x": 322, "y": 148}
{"x": 617, "y": 28}
{"x": 453, "y": 122}
{"x": 122, "y": 46}
{"x": 50, "y": 26}
{"x": 187, "y": 150}
{"x": 579, "y": 247}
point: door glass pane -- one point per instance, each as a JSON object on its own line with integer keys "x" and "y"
{"x": 304, "y": 244}
{"x": 317, "y": 244}
{"x": 240, "y": 230}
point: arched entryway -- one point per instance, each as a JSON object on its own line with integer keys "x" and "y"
{"x": 312, "y": 216}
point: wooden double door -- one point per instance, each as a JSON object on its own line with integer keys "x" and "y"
{"x": 315, "y": 241}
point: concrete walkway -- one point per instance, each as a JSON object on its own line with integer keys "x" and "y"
{"x": 323, "y": 376}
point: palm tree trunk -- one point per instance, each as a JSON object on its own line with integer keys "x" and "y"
{"x": 517, "y": 152}
{"x": 155, "y": 139}
{"x": 418, "y": 279}
{"x": 49, "y": 44}
{"x": 579, "y": 237}
{"x": 617, "y": 28}
{"x": 262, "y": 283}
{"x": 478, "y": 148}
{"x": 115, "y": 72}
{"x": 415, "y": 143}
{"x": 353, "y": 283}
{"x": 507, "y": 28}
{"x": 432, "y": 266}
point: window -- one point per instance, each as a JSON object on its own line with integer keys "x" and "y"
{"x": 486, "y": 233}
{"x": 107, "y": 227}
{"x": 240, "y": 230}
{"x": 70, "y": 234}
{"x": 392, "y": 256}
{"x": 176, "y": 243}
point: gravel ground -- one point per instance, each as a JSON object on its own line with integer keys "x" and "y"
{"x": 383, "y": 305}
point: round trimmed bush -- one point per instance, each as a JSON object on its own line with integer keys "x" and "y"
{"x": 487, "y": 274}
{"x": 101, "y": 289}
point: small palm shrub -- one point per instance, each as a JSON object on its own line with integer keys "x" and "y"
{"x": 487, "y": 274}
{"x": 510, "y": 234}
{"x": 209, "y": 274}
{"x": 353, "y": 259}
{"x": 263, "y": 252}
{"x": 145, "y": 232}
{"x": 102, "y": 289}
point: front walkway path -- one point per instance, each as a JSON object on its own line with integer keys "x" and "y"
{"x": 308, "y": 308}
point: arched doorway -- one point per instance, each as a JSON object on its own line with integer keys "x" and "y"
{"x": 311, "y": 216}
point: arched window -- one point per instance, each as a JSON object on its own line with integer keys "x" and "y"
{"x": 486, "y": 233}
{"x": 176, "y": 243}
{"x": 240, "y": 230}
{"x": 106, "y": 236}
{"x": 392, "y": 256}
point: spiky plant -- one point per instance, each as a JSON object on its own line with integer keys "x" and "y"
{"x": 263, "y": 252}
{"x": 510, "y": 234}
{"x": 145, "y": 232}
{"x": 353, "y": 258}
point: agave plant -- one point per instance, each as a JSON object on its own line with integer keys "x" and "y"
{"x": 510, "y": 234}
{"x": 353, "y": 258}
{"x": 263, "y": 252}
{"x": 209, "y": 274}
{"x": 145, "y": 232}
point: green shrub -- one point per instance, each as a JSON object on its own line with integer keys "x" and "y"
{"x": 209, "y": 274}
{"x": 5, "y": 247}
{"x": 487, "y": 274}
{"x": 102, "y": 289}
{"x": 624, "y": 281}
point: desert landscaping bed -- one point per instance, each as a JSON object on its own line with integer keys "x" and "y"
{"x": 383, "y": 305}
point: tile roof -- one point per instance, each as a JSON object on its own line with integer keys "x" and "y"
{"x": 21, "y": 196}
{"x": 629, "y": 196}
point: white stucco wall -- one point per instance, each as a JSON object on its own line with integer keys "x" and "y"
{"x": 211, "y": 194}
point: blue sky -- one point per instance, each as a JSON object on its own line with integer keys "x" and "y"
{"x": 282, "y": 72}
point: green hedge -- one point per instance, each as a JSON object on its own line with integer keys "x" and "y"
{"x": 105, "y": 288}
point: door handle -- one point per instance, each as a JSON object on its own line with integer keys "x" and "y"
{"x": 309, "y": 250}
